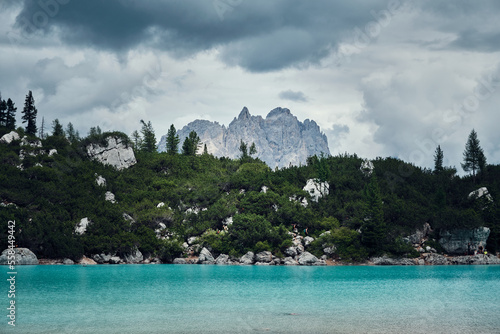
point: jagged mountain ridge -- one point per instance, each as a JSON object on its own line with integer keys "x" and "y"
{"x": 280, "y": 138}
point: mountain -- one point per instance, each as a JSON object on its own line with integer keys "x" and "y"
{"x": 281, "y": 139}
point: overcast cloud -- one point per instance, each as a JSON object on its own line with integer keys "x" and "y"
{"x": 381, "y": 78}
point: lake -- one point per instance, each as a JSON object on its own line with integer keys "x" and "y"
{"x": 253, "y": 299}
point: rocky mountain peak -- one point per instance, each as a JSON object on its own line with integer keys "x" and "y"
{"x": 281, "y": 139}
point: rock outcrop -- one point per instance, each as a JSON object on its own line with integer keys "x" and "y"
{"x": 22, "y": 256}
{"x": 457, "y": 241}
{"x": 115, "y": 153}
{"x": 387, "y": 261}
{"x": 81, "y": 227}
{"x": 248, "y": 258}
{"x": 133, "y": 257}
{"x": 9, "y": 137}
{"x": 280, "y": 138}
{"x": 206, "y": 257}
{"x": 317, "y": 189}
{"x": 307, "y": 259}
{"x": 483, "y": 191}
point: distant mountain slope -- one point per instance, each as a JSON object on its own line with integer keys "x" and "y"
{"x": 281, "y": 139}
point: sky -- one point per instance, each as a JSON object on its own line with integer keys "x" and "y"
{"x": 381, "y": 78}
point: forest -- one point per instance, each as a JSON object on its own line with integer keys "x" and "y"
{"x": 368, "y": 212}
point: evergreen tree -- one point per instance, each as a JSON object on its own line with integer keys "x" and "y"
{"x": 95, "y": 131}
{"x": 190, "y": 144}
{"x": 29, "y": 114}
{"x": 136, "y": 139}
{"x": 373, "y": 229}
{"x": 438, "y": 160}
{"x": 205, "y": 150}
{"x": 57, "y": 128}
{"x": 148, "y": 137}
{"x": 172, "y": 140}
{"x": 71, "y": 134}
{"x": 3, "y": 111}
{"x": 253, "y": 149}
{"x": 10, "y": 119}
{"x": 243, "y": 149}
{"x": 474, "y": 159}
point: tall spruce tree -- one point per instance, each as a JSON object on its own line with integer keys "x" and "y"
{"x": 29, "y": 114}
{"x": 438, "y": 160}
{"x": 148, "y": 137}
{"x": 190, "y": 144}
{"x": 57, "y": 128}
{"x": 3, "y": 111}
{"x": 172, "y": 140}
{"x": 136, "y": 139}
{"x": 72, "y": 134}
{"x": 10, "y": 119}
{"x": 474, "y": 159}
{"x": 373, "y": 229}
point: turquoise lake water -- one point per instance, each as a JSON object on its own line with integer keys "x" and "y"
{"x": 253, "y": 299}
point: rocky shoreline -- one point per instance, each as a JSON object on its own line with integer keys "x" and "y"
{"x": 24, "y": 256}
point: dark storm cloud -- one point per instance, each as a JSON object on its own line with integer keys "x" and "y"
{"x": 293, "y": 96}
{"x": 257, "y": 35}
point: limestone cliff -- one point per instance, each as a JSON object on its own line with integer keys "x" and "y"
{"x": 280, "y": 138}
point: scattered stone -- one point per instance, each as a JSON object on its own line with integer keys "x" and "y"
{"x": 264, "y": 189}
{"x": 110, "y": 197}
{"x": 436, "y": 259}
{"x": 317, "y": 189}
{"x": 222, "y": 259}
{"x": 261, "y": 263}
{"x": 134, "y": 257}
{"x": 206, "y": 257}
{"x": 475, "y": 259}
{"x": 367, "y": 167}
{"x": 160, "y": 205}
{"x": 179, "y": 260}
{"x": 308, "y": 240}
{"x": 129, "y": 218}
{"x": 22, "y": 256}
{"x": 329, "y": 250}
{"x": 291, "y": 251}
{"x": 52, "y": 152}
{"x": 81, "y": 227}
{"x": 248, "y": 258}
{"x": 307, "y": 259}
{"x": 101, "y": 181}
{"x": 264, "y": 256}
{"x": 387, "y": 261}
{"x": 289, "y": 261}
{"x": 192, "y": 240}
{"x": 85, "y": 260}
{"x": 68, "y": 261}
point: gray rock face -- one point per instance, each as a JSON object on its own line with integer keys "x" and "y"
{"x": 179, "y": 260}
{"x": 22, "y": 256}
{"x": 81, "y": 227}
{"x": 419, "y": 235}
{"x": 248, "y": 258}
{"x": 281, "y": 139}
{"x": 291, "y": 251}
{"x": 68, "y": 261}
{"x": 264, "y": 257}
{"x": 101, "y": 258}
{"x": 115, "y": 260}
{"x": 134, "y": 257}
{"x": 456, "y": 241}
{"x": 307, "y": 259}
{"x": 308, "y": 240}
{"x": 206, "y": 257}
{"x": 116, "y": 153}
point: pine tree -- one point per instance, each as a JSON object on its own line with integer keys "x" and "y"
{"x": 10, "y": 121}
{"x": 3, "y": 111}
{"x": 136, "y": 139}
{"x": 29, "y": 114}
{"x": 148, "y": 137}
{"x": 253, "y": 149}
{"x": 95, "y": 131}
{"x": 172, "y": 140}
{"x": 57, "y": 128}
{"x": 190, "y": 144}
{"x": 438, "y": 160}
{"x": 243, "y": 149}
{"x": 373, "y": 229}
{"x": 474, "y": 159}
{"x": 71, "y": 134}
{"x": 205, "y": 150}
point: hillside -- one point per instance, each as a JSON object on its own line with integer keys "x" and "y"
{"x": 159, "y": 202}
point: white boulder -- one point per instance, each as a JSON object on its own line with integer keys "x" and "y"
{"x": 367, "y": 167}
{"x": 110, "y": 197}
{"x": 81, "y": 227}
{"x": 317, "y": 189}
{"x": 9, "y": 137}
{"x": 116, "y": 153}
{"x": 99, "y": 179}
{"x": 483, "y": 191}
